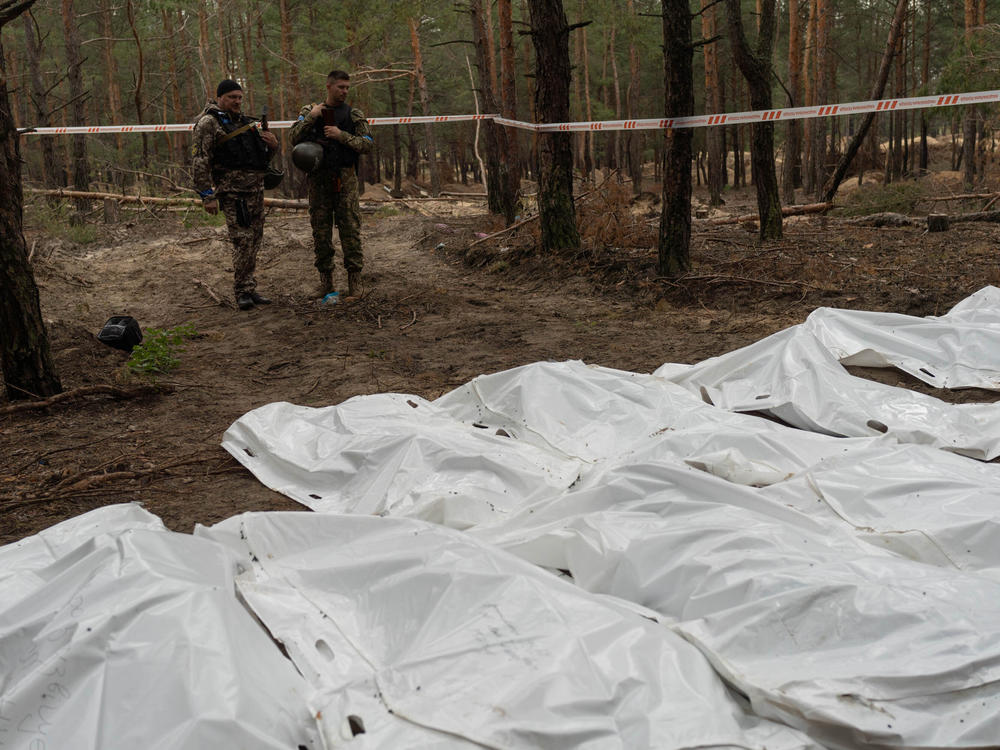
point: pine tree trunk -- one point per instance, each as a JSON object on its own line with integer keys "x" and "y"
{"x": 898, "y": 122}
{"x": 633, "y": 143}
{"x": 616, "y": 135}
{"x": 822, "y": 91}
{"x": 221, "y": 43}
{"x": 550, "y": 35}
{"x": 39, "y": 103}
{"x": 809, "y": 99}
{"x": 508, "y": 137}
{"x": 288, "y": 52}
{"x": 791, "y": 175}
{"x": 418, "y": 71}
{"x": 588, "y": 138}
{"x": 397, "y": 150}
{"x": 207, "y": 79}
{"x": 674, "y": 250}
{"x": 716, "y": 176}
{"x": 756, "y": 68}
{"x": 111, "y": 69}
{"x": 74, "y": 63}
{"x": 140, "y": 106}
{"x": 263, "y": 64}
{"x": 500, "y": 198}
{"x": 28, "y": 369}
{"x": 969, "y": 121}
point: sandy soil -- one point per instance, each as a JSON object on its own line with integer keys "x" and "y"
{"x": 435, "y": 313}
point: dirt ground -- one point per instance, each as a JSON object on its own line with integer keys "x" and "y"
{"x": 437, "y": 311}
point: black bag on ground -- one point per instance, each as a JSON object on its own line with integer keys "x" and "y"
{"x": 121, "y": 332}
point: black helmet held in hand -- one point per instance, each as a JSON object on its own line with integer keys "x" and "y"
{"x": 272, "y": 177}
{"x": 307, "y": 156}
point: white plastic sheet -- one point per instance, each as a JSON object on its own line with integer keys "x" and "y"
{"x": 118, "y": 634}
{"x": 855, "y": 645}
{"x": 848, "y": 587}
{"x": 393, "y": 453}
{"x": 956, "y": 350}
{"x": 927, "y": 505}
{"x": 427, "y": 638}
{"x": 795, "y": 377}
{"x": 739, "y": 531}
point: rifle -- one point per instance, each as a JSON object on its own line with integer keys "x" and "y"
{"x": 273, "y": 175}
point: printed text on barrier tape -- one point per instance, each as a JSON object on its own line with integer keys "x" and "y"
{"x": 696, "y": 121}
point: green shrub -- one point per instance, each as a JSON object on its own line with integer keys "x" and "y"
{"x": 197, "y": 217}
{"x": 159, "y": 350}
{"x": 896, "y": 197}
{"x": 59, "y": 219}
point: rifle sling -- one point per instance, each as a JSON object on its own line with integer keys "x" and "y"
{"x": 239, "y": 131}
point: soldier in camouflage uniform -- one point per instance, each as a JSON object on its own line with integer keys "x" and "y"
{"x": 233, "y": 161}
{"x": 333, "y": 188}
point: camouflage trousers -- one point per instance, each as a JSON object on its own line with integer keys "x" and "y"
{"x": 244, "y": 214}
{"x": 329, "y": 205}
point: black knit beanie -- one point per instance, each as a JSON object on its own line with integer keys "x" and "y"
{"x": 226, "y": 86}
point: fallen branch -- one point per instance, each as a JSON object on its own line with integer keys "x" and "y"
{"x": 511, "y": 228}
{"x": 193, "y": 201}
{"x": 213, "y": 295}
{"x": 144, "y": 200}
{"x": 887, "y": 219}
{"x": 993, "y": 216}
{"x": 78, "y": 393}
{"x": 85, "y": 481}
{"x": 963, "y": 196}
{"x": 414, "y": 320}
{"x": 809, "y": 208}
{"x": 60, "y": 193}
{"x": 741, "y": 279}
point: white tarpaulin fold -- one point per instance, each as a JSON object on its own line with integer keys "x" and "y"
{"x": 927, "y": 505}
{"x": 955, "y": 350}
{"x": 797, "y": 375}
{"x": 428, "y": 638}
{"x": 393, "y": 454}
{"x": 858, "y": 646}
{"x": 117, "y": 634}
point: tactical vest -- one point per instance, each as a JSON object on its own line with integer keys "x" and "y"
{"x": 245, "y": 151}
{"x": 335, "y": 153}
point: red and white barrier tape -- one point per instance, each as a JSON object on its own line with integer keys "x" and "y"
{"x": 697, "y": 121}
{"x": 277, "y": 125}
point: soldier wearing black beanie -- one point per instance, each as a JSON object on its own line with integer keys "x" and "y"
{"x": 229, "y": 158}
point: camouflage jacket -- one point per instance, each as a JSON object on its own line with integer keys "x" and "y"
{"x": 361, "y": 141}
{"x": 205, "y": 172}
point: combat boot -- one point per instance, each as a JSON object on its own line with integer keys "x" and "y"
{"x": 325, "y": 285}
{"x": 354, "y": 283}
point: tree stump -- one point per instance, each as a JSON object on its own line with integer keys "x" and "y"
{"x": 937, "y": 223}
{"x": 110, "y": 211}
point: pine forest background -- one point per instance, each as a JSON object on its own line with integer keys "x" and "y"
{"x": 105, "y": 62}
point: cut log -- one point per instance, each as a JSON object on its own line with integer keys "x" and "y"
{"x": 887, "y": 219}
{"x": 110, "y": 211}
{"x": 809, "y": 208}
{"x": 937, "y": 223}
